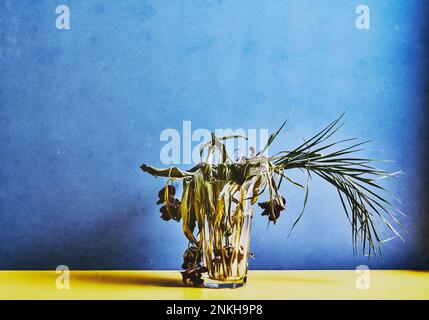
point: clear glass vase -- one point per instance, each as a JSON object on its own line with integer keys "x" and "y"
{"x": 226, "y": 244}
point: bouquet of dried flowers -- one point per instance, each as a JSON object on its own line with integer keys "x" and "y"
{"x": 217, "y": 190}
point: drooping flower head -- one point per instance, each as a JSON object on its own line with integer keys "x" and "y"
{"x": 171, "y": 208}
{"x": 273, "y": 208}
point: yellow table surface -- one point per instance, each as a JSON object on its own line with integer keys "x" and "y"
{"x": 327, "y": 284}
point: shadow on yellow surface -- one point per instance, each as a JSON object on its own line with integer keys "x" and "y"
{"x": 132, "y": 279}
{"x": 171, "y": 279}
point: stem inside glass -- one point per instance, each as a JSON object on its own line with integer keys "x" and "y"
{"x": 226, "y": 239}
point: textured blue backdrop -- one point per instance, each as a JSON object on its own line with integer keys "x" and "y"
{"x": 81, "y": 109}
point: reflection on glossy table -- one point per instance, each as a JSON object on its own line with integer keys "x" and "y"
{"x": 308, "y": 284}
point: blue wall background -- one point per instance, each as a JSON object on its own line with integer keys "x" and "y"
{"x": 81, "y": 109}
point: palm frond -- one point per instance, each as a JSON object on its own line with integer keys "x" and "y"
{"x": 355, "y": 179}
